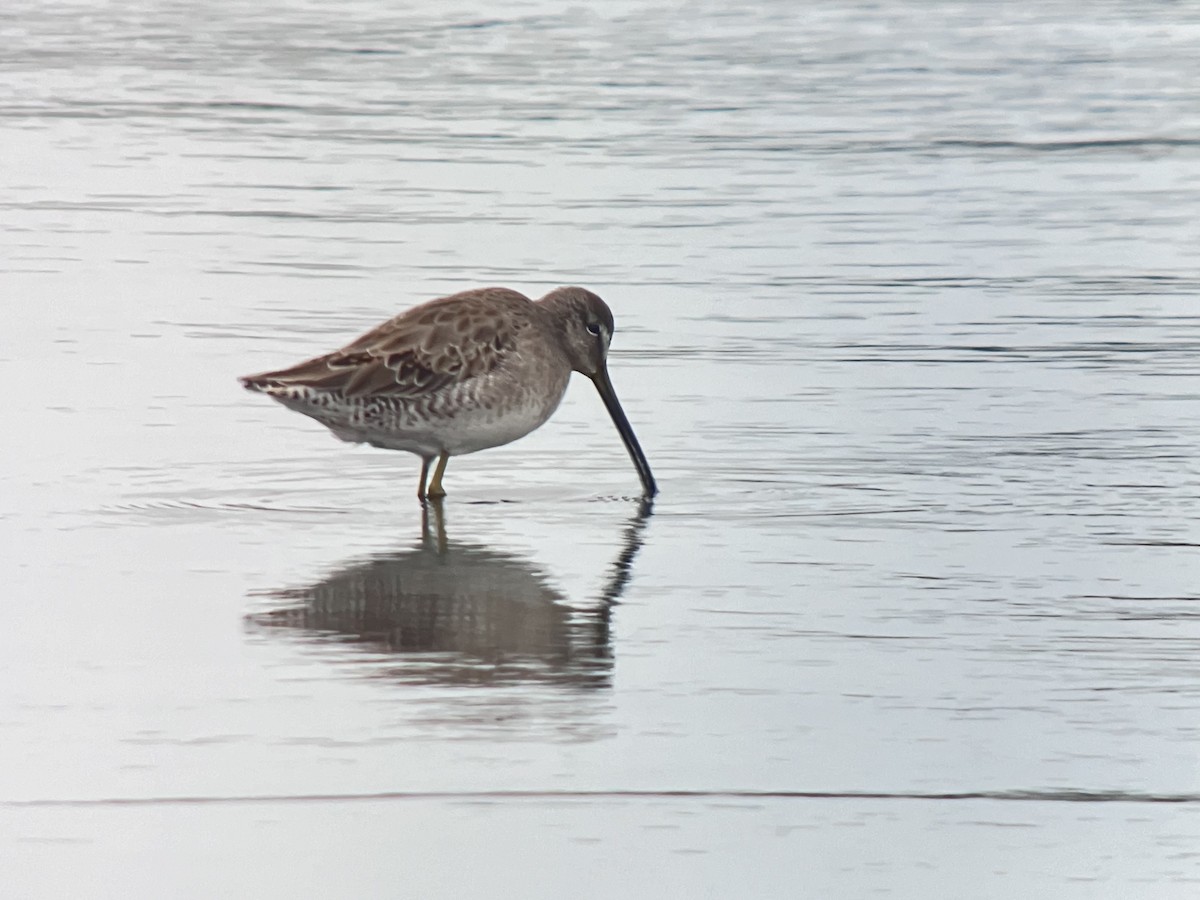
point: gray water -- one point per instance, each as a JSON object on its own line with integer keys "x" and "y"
{"x": 907, "y": 323}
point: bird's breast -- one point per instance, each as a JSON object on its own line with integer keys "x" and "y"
{"x": 496, "y": 410}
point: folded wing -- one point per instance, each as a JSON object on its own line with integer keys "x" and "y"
{"x": 413, "y": 355}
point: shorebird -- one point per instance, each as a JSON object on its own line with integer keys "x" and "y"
{"x": 459, "y": 374}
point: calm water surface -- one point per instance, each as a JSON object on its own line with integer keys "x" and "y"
{"x": 908, "y": 322}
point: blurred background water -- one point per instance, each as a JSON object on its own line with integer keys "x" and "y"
{"x": 907, "y": 322}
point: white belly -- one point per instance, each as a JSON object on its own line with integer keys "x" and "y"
{"x": 478, "y": 429}
{"x": 456, "y": 425}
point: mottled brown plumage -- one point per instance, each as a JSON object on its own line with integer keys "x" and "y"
{"x": 459, "y": 374}
{"x": 422, "y": 350}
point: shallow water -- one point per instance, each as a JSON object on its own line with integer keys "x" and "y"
{"x": 907, "y": 323}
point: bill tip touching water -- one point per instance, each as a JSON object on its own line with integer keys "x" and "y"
{"x": 463, "y": 373}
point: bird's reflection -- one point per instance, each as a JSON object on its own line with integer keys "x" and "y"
{"x": 445, "y": 612}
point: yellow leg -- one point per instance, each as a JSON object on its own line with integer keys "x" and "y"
{"x": 435, "y": 485}
{"x": 424, "y": 471}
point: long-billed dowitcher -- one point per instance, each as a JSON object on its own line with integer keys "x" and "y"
{"x": 459, "y": 374}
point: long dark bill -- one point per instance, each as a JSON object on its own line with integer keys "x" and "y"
{"x": 609, "y": 396}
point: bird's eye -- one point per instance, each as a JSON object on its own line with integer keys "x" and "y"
{"x": 593, "y": 328}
